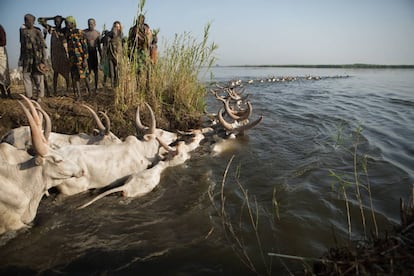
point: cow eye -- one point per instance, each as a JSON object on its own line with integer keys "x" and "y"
{"x": 57, "y": 159}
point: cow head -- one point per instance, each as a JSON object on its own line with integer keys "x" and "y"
{"x": 55, "y": 167}
{"x": 152, "y": 131}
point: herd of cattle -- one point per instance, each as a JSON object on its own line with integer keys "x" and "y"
{"x": 34, "y": 159}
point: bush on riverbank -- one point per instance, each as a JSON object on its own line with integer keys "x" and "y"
{"x": 170, "y": 85}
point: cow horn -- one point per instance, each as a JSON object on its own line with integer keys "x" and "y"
{"x": 95, "y": 116}
{"x": 164, "y": 145}
{"x": 239, "y": 115}
{"x": 107, "y": 122}
{"x": 250, "y": 125}
{"x": 240, "y": 129}
{"x": 233, "y": 95}
{"x": 171, "y": 152}
{"x": 218, "y": 97}
{"x": 38, "y": 140}
{"x": 138, "y": 123}
{"x": 225, "y": 124}
{"x": 140, "y": 126}
{"x": 153, "y": 121}
{"x": 48, "y": 123}
{"x": 37, "y": 105}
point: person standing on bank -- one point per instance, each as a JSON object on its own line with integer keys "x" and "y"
{"x": 32, "y": 57}
{"x": 105, "y": 39}
{"x": 4, "y": 66}
{"x": 140, "y": 41}
{"x": 94, "y": 47}
{"x": 78, "y": 56}
{"x": 58, "y": 50}
{"x": 115, "y": 52}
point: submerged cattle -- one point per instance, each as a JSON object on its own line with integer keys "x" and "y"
{"x": 110, "y": 164}
{"x": 141, "y": 183}
{"x": 79, "y": 162}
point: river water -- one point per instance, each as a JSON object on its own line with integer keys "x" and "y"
{"x": 283, "y": 191}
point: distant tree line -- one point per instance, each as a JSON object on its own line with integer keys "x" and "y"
{"x": 347, "y": 66}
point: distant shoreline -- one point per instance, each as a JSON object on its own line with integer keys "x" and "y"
{"x": 346, "y": 66}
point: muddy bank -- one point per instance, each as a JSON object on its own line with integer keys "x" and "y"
{"x": 68, "y": 116}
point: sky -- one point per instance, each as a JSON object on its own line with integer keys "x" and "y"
{"x": 255, "y": 32}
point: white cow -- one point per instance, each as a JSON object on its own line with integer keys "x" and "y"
{"x": 110, "y": 164}
{"x": 166, "y": 136}
{"x": 24, "y": 184}
{"x": 10, "y": 154}
{"x": 237, "y": 128}
{"x": 143, "y": 182}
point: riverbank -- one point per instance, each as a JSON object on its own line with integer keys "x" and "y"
{"x": 67, "y": 114}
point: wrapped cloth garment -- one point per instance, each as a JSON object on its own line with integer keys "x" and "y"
{"x": 4, "y": 67}
{"x": 78, "y": 53}
{"x": 59, "y": 56}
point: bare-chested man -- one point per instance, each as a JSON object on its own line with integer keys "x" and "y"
{"x": 93, "y": 39}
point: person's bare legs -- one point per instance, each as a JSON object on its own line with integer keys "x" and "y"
{"x": 74, "y": 87}
{"x": 87, "y": 86}
{"x": 96, "y": 76}
{"x": 55, "y": 78}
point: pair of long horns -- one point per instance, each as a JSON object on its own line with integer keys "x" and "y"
{"x": 237, "y": 115}
{"x": 232, "y": 94}
{"x": 236, "y": 129}
{"x": 140, "y": 126}
{"x": 39, "y": 140}
{"x": 102, "y": 129}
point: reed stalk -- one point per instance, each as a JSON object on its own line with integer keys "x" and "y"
{"x": 359, "y": 166}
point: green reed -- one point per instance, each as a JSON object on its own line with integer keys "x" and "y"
{"x": 354, "y": 184}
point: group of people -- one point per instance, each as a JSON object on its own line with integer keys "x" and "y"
{"x": 74, "y": 53}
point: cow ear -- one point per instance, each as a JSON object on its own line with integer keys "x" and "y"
{"x": 39, "y": 160}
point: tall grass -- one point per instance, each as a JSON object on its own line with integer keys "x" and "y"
{"x": 171, "y": 84}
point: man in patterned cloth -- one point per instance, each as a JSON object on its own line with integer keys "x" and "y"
{"x": 58, "y": 51}
{"x": 4, "y": 66}
{"x": 32, "y": 56}
{"x": 78, "y": 56}
{"x": 94, "y": 47}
